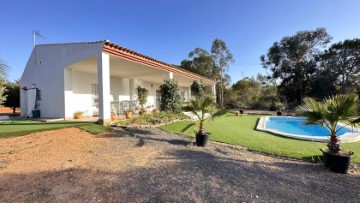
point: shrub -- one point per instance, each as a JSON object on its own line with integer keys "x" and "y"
{"x": 197, "y": 89}
{"x": 78, "y": 114}
{"x": 154, "y": 118}
{"x": 170, "y": 98}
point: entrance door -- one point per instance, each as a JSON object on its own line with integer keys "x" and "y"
{"x": 30, "y": 96}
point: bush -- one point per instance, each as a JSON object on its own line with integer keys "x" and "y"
{"x": 170, "y": 98}
{"x": 154, "y": 118}
{"x": 197, "y": 89}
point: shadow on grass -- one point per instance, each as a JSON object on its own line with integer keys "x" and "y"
{"x": 256, "y": 124}
{"x": 184, "y": 175}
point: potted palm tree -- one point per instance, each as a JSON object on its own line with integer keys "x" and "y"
{"x": 203, "y": 108}
{"x": 328, "y": 113}
{"x": 280, "y": 107}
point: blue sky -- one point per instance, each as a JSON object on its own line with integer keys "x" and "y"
{"x": 168, "y": 30}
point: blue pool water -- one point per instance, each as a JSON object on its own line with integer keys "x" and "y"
{"x": 295, "y": 125}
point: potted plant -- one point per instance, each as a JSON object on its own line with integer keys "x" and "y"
{"x": 128, "y": 113}
{"x": 280, "y": 107}
{"x": 78, "y": 115}
{"x": 328, "y": 113}
{"x": 202, "y": 107}
{"x": 142, "y": 97}
{"x": 114, "y": 116}
{"x": 242, "y": 106}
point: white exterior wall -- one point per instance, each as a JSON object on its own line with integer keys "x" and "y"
{"x": 45, "y": 69}
{"x": 151, "y": 100}
{"x": 81, "y": 99}
{"x": 119, "y": 89}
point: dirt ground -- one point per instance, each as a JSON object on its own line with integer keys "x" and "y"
{"x": 7, "y": 110}
{"x": 154, "y": 166}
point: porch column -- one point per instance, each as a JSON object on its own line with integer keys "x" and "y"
{"x": 170, "y": 76}
{"x": 103, "y": 71}
{"x": 213, "y": 91}
{"x": 132, "y": 89}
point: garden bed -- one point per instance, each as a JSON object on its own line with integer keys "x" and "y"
{"x": 155, "y": 119}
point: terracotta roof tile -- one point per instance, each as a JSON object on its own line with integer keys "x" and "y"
{"x": 69, "y": 43}
{"x": 120, "y": 51}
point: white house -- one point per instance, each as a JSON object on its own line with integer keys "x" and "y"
{"x": 96, "y": 78}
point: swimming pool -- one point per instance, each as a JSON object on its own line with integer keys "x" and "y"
{"x": 294, "y": 127}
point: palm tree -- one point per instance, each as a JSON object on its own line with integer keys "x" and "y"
{"x": 202, "y": 108}
{"x": 329, "y": 112}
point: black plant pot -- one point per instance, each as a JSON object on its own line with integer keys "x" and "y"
{"x": 279, "y": 113}
{"x": 337, "y": 163}
{"x": 202, "y": 139}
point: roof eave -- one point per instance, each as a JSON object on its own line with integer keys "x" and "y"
{"x": 134, "y": 56}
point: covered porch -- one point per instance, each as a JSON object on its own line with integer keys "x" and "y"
{"x": 106, "y": 83}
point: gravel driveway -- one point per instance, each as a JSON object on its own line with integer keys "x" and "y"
{"x": 149, "y": 165}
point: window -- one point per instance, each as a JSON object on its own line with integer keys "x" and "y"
{"x": 182, "y": 95}
{"x": 94, "y": 89}
{"x": 94, "y": 92}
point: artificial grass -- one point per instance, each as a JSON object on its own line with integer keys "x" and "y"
{"x": 240, "y": 130}
{"x": 13, "y": 128}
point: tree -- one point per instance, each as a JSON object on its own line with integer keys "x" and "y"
{"x": 200, "y": 62}
{"x": 248, "y": 91}
{"x": 143, "y": 94}
{"x": 12, "y": 95}
{"x": 222, "y": 58}
{"x": 3, "y": 70}
{"x": 169, "y": 96}
{"x": 343, "y": 59}
{"x": 323, "y": 83}
{"x": 268, "y": 93}
{"x": 2, "y": 88}
{"x": 213, "y": 66}
{"x": 3, "y": 73}
{"x": 293, "y": 61}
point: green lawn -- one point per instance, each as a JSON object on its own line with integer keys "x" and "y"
{"x": 240, "y": 131}
{"x": 23, "y": 127}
